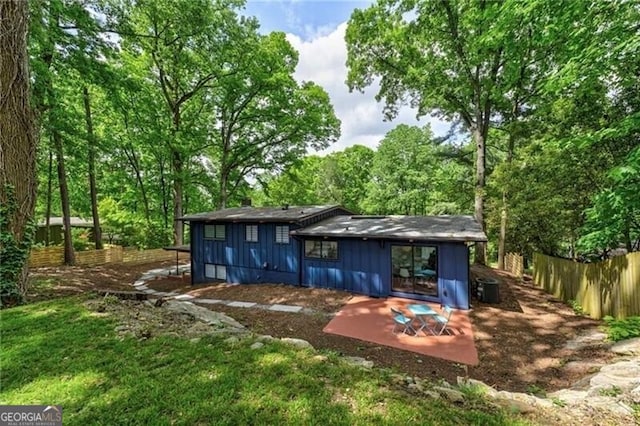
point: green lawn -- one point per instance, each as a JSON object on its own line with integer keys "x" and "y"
{"x": 57, "y": 352}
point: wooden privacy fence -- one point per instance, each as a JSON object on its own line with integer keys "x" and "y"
{"x": 54, "y": 256}
{"x": 610, "y": 287}
{"x": 514, "y": 263}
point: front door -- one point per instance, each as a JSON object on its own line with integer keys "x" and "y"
{"x": 414, "y": 270}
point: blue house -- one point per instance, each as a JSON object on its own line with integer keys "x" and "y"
{"x": 420, "y": 257}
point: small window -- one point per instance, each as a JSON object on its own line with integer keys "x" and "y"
{"x": 282, "y": 234}
{"x": 251, "y": 233}
{"x": 321, "y": 249}
{"x": 218, "y": 272}
{"x": 214, "y": 232}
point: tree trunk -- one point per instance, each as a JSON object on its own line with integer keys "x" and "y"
{"x": 479, "y": 138}
{"x": 177, "y": 199}
{"x": 69, "y": 255}
{"x": 165, "y": 196}
{"x": 47, "y": 219}
{"x": 502, "y": 241}
{"x": 177, "y": 163}
{"x": 91, "y": 160}
{"x": 18, "y": 144}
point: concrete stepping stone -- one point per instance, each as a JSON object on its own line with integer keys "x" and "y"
{"x": 209, "y": 301}
{"x": 184, "y": 297}
{"x": 237, "y": 304}
{"x": 285, "y": 308}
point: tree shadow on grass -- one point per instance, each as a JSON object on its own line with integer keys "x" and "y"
{"x": 59, "y": 353}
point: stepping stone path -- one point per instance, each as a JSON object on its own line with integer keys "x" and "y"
{"x": 141, "y": 285}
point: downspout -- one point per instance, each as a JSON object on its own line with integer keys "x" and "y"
{"x": 191, "y": 240}
{"x": 300, "y": 248}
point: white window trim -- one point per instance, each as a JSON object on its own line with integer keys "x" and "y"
{"x": 280, "y": 236}
{"x": 216, "y": 227}
{"x": 249, "y": 235}
{"x": 219, "y": 271}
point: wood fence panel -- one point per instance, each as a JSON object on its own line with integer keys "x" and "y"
{"x": 54, "y": 256}
{"x": 46, "y": 256}
{"x": 610, "y": 287}
{"x": 514, "y": 263}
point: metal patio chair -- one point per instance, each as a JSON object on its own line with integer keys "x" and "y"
{"x": 441, "y": 321}
{"x": 400, "y": 319}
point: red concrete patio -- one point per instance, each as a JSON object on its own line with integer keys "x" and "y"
{"x": 370, "y": 320}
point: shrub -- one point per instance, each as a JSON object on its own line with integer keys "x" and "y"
{"x": 621, "y": 329}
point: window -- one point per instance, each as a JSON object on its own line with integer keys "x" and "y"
{"x": 218, "y": 272}
{"x": 251, "y": 233}
{"x": 321, "y": 249}
{"x": 282, "y": 234}
{"x": 214, "y": 232}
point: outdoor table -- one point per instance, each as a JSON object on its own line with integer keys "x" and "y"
{"x": 422, "y": 312}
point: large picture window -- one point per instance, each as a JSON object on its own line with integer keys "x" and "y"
{"x": 251, "y": 233}
{"x": 321, "y": 249}
{"x": 415, "y": 269}
{"x": 215, "y": 232}
{"x": 282, "y": 234}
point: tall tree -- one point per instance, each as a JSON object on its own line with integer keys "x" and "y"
{"x": 18, "y": 143}
{"x": 186, "y": 48}
{"x": 453, "y": 58}
{"x": 91, "y": 166}
{"x": 266, "y": 119}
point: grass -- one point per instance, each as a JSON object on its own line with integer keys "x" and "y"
{"x": 57, "y": 352}
{"x": 612, "y": 391}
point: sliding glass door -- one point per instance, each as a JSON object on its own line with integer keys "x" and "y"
{"x": 415, "y": 270}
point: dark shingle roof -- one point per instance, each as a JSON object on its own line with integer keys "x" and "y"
{"x": 261, "y": 214}
{"x": 424, "y": 228}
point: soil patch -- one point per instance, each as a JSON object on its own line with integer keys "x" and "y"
{"x": 323, "y": 300}
{"x": 60, "y": 281}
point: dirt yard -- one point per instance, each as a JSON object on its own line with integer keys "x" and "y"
{"x": 521, "y": 341}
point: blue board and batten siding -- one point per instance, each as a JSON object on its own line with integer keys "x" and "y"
{"x": 246, "y": 262}
{"x": 364, "y": 266}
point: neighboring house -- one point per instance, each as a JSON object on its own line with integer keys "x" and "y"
{"x": 420, "y": 257}
{"x": 55, "y": 229}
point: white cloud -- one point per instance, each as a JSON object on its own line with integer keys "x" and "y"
{"x": 323, "y": 61}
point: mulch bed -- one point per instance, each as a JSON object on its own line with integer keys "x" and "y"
{"x": 520, "y": 341}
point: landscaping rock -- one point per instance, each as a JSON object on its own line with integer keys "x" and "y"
{"x": 265, "y": 338}
{"x": 624, "y": 375}
{"x": 359, "y": 361}
{"x": 516, "y": 406}
{"x": 590, "y": 338}
{"x": 203, "y": 314}
{"x": 569, "y": 396}
{"x": 483, "y": 387}
{"x": 450, "y": 394}
{"x": 320, "y": 358}
{"x": 582, "y": 366}
{"x": 298, "y": 343}
{"x": 627, "y": 347}
{"x": 606, "y": 403}
{"x": 431, "y": 394}
{"x": 257, "y": 345}
{"x": 231, "y": 340}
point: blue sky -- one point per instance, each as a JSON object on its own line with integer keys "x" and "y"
{"x": 316, "y": 30}
{"x": 304, "y": 18}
